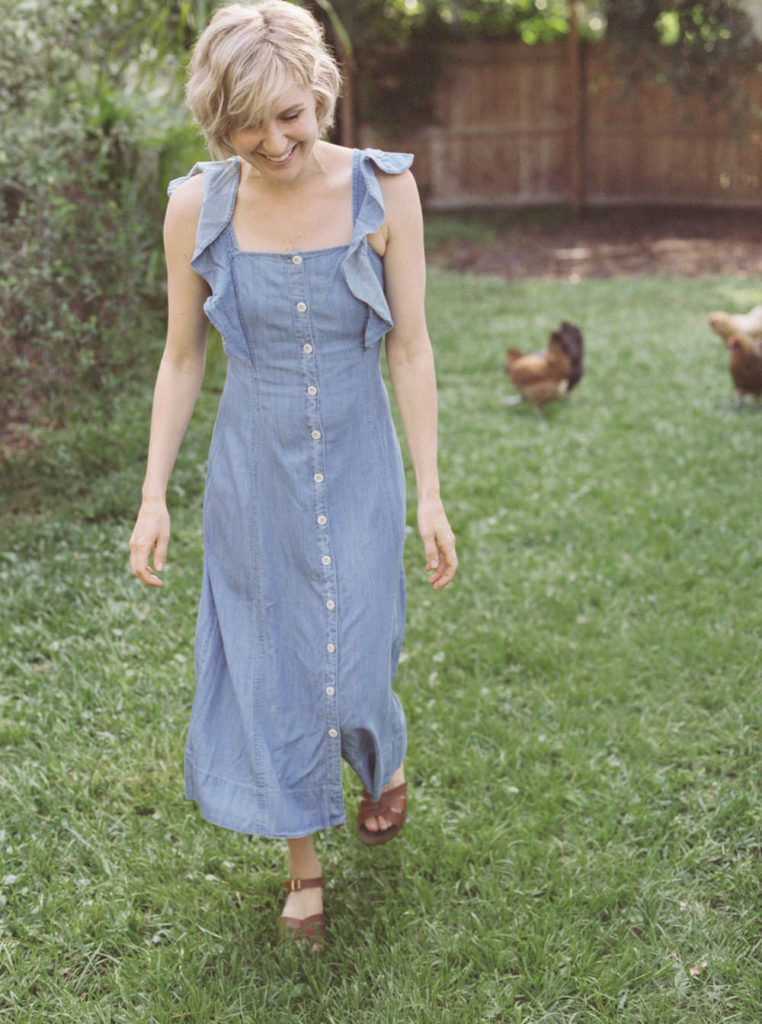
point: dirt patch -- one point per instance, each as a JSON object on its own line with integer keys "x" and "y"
{"x": 614, "y": 243}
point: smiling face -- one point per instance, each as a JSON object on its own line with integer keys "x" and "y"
{"x": 280, "y": 148}
{"x": 250, "y": 54}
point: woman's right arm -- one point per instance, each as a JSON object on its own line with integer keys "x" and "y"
{"x": 178, "y": 381}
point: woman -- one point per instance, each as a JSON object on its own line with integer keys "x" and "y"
{"x": 304, "y": 255}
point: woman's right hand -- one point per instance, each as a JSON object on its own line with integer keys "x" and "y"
{"x": 150, "y": 536}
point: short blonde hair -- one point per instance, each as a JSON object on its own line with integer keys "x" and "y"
{"x": 247, "y": 56}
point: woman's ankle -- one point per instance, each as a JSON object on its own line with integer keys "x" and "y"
{"x": 303, "y": 861}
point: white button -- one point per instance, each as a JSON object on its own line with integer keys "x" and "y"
{"x": 322, "y": 520}
{"x": 330, "y": 691}
{"x": 330, "y": 605}
{"x": 318, "y": 478}
{"x": 308, "y": 348}
{"x": 326, "y": 559}
{"x": 332, "y": 733}
{"x": 301, "y": 306}
{"x": 330, "y": 648}
{"x": 297, "y": 260}
{"x": 315, "y": 435}
{"x": 312, "y": 390}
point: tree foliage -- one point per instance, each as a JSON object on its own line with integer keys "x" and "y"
{"x": 90, "y": 110}
{"x": 706, "y": 47}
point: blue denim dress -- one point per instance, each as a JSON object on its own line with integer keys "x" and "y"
{"x": 303, "y": 599}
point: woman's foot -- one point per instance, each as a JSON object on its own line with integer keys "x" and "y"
{"x": 378, "y": 822}
{"x": 302, "y": 915}
{"x": 302, "y": 919}
{"x": 302, "y": 903}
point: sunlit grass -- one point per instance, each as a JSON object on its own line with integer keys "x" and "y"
{"x": 583, "y": 709}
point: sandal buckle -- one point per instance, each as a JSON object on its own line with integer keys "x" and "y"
{"x": 296, "y": 884}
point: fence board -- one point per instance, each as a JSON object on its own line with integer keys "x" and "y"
{"x": 506, "y": 126}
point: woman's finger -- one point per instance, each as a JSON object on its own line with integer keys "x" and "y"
{"x": 160, "y": 554}
{"x": 139, "y": 564}
{"x": 431, "y": 553}
{"x": 446, "y": 563}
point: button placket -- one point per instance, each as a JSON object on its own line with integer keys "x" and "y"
{"x": 330, "y": 649}
{"x": 314, "y": 435}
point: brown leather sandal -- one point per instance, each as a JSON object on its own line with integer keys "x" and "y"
{"x": 384, "y": 807}
{"x": 304, "y": 930}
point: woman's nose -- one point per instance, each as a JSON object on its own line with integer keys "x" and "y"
{"x": 274, "y": 140}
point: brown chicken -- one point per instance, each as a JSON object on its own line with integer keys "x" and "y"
{"x": 745, "y": 367}
{"x": 740, "y": 325}
{"x": 543, "y": 377}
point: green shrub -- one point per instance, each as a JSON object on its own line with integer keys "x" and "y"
{"x": 92, "y": 123}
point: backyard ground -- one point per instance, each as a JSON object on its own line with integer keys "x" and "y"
{"x": 606, "y": 243}
{"x": 583, "y": 844}
{"x": 558, "y": 245}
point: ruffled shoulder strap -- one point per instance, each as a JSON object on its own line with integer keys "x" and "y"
{"x": 363, "y": 280}
{"x": 370, "y": 215}
{"x": 220, "y": 188}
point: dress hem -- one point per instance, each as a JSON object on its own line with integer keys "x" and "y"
{"x": 214, "y": 819}
{"x": 254, "y": 824}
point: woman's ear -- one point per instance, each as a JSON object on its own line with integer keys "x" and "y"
{"x": 321, "y": 113}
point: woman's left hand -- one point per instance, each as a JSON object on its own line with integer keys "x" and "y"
{"x": 438, "y": 543}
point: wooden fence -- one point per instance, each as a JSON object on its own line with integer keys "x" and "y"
{"x": 548, "y": 124}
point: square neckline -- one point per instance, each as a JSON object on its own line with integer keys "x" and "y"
{"x": 289, "y": 253}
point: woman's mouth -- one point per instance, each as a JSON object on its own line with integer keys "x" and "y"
{"x": 278, "y": 160}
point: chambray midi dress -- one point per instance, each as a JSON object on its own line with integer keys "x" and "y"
{"x": 302, "y": 605}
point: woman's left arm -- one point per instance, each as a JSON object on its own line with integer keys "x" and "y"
{"x": 411, "y": 365}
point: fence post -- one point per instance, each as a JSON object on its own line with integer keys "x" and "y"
{"x": 347, "y": 102}
{"x": 577, "y": 114}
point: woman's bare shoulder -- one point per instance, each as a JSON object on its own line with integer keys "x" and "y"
{"x": 400, "y": 192}
{"x": 183, "y": 213}
{"x": 187, "y": 198}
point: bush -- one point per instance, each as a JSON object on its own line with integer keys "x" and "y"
{"x": 90, "y": 117}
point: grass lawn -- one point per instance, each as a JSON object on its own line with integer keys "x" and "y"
{"x": 583, "y": 702}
